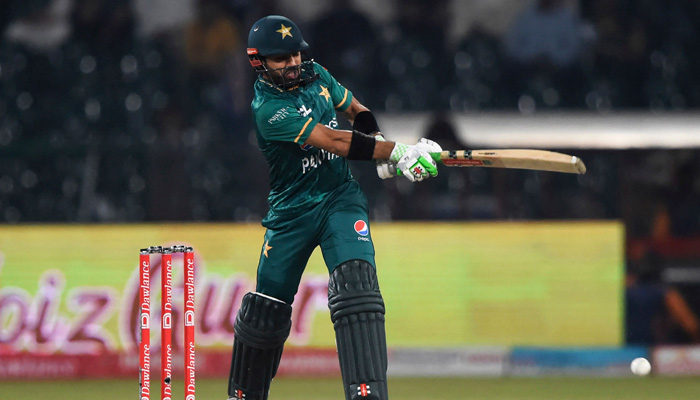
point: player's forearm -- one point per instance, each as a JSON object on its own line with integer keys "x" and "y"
{"x": 382, "y": 150}
{"x": 339, "y": 142}
{"x": 332, "y": 140}
{"x": 342, "y": 142}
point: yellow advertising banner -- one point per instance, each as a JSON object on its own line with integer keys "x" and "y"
{"x": 73, "y": 288}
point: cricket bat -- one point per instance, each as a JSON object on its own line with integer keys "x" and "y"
{"x": 539, "y": 160}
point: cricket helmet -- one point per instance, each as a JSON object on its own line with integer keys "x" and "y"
{"x": 278, "y": 35}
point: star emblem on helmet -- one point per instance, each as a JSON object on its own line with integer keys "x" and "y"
{"x": 324, "y": 92}
{"x": 285, "y": 31}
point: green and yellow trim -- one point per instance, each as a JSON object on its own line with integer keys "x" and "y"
{"x": 345, "y": 97}
{"x": 303, "y": 129}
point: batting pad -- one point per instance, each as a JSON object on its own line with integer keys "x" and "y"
{"x": 262, "y": 326}
{"x": 357, "y": 312}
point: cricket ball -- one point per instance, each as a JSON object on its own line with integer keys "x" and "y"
{"x": 640, "y": 366}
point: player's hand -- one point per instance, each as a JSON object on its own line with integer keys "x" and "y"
{"x": 385, "y": 168}
{"x": 415, "y": 162}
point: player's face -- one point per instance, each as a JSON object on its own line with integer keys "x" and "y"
{"x": 284, "y": 67}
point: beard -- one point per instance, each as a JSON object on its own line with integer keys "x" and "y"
{"x": 286, "y": 77}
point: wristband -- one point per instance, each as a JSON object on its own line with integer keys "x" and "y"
{"x": 361, "y": 146}
{"x": 365, "y": 123}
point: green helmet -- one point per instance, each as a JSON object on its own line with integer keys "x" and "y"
{"x": 276, "y": 35}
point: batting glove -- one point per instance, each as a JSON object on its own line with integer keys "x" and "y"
{"x": 414, "y": 162}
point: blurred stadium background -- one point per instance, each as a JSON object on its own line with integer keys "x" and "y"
{"x": 125, "y": 124}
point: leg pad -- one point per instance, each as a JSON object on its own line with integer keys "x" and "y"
{"x": 262, "y": 326}
{"x": 357, "y": 312}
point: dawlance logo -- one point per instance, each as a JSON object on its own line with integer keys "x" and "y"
{"x": 362, "y": 229}
{"x": 189, "y": 318}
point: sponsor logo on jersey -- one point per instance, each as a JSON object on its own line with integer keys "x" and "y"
{"x": 361, "y": 227}
{"x": 315, "y": 160}
{"x": 304, "y": 111}
{"x": 279, "y": 115}
{"x": 306, "y": 147}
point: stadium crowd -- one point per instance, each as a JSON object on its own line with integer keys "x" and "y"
{"x": 132, "y": 110}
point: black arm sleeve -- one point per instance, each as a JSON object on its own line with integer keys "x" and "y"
{"x": 365, "y": 122}
{"x": 361, "y": 146}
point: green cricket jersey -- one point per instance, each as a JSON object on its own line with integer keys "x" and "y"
{"x": 300, "y": 176}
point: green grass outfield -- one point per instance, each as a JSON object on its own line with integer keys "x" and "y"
{"x": 554, "y": 388}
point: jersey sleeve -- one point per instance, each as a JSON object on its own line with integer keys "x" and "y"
{"x": 281, "y": 121}
{"x": 341, "y": 96}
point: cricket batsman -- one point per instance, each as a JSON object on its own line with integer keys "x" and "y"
{"x": 314, "y": 201}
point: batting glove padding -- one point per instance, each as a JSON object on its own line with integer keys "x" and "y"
{"x": 428, "y": 145}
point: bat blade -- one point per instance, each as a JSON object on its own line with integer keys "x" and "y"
{"x": 538, "y": 160}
